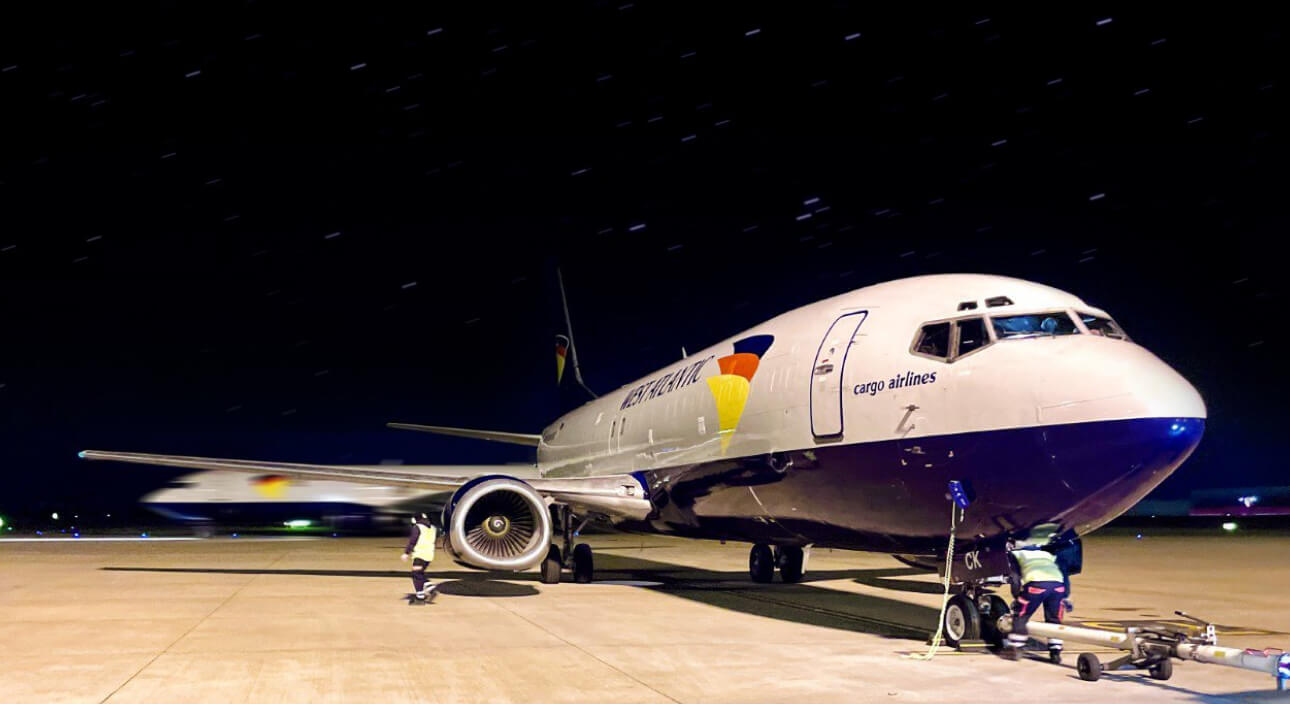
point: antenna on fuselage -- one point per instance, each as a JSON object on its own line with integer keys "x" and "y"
{"x": 568, "y": 326}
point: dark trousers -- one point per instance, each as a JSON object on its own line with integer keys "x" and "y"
{"x": 419, "y": 579}
{"x": 1032, "y": 596}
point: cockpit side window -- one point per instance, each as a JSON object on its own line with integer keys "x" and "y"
{"x": 1105, "y": 327}
{"x": 934, "y": 341}
{"x": 972, "y": 336}
{"x": 1014, "y": 327}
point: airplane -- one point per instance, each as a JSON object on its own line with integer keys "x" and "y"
{"x": 856, "y": 422}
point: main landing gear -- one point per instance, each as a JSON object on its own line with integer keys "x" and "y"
{"x": 763, "y": 561}
{"x": 573, "y": 557}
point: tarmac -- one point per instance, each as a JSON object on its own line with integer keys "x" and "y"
{"x": 667, "y": 620}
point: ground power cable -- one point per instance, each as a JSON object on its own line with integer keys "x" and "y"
{"x": 956, "y": 515}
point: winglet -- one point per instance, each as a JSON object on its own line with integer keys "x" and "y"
{"x": 493, "y": 435}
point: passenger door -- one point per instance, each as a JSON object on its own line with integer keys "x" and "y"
{"x": 826, "y": 374}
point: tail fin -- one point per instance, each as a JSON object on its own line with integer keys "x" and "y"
{"x": 575, "y": 392}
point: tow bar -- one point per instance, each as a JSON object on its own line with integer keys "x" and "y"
{"x": 1151, "y": 650}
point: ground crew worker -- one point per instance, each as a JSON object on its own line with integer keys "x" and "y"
{"x": 421, "y": 549}
{"x": 1042, "y": 582}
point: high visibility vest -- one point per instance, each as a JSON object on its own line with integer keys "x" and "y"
{"x": 424, "y": 548}
{"x": 1038, "y": 566}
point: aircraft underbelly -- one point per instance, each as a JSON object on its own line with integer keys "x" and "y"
{"x": 885, "y": 496}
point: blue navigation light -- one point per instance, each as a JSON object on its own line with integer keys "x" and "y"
{"x": 143, "y": 535}
{"x": 959, "y": 493}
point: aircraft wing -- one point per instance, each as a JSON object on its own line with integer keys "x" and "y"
{"x": 494, "y": 435}
{"x": 621, "y": 495}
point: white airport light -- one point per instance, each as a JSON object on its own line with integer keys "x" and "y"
{"x": 298, "y": 523}
{"x": 1, "y": 521}
{"x": 54, "y": 515}
{"x": 1248, "y": 501}
{"x": 1229, "y": 526}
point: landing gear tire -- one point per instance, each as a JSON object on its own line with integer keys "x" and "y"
{"x": 790, "y": 564}
{"x": 992, "y": 607}
{"x": 1088, "y": 667}
{"x": 583, "y": 566}
{"x": 962, "y": 621}
{"x": 551, "y": 566}
{"x": 761, "y": 563}
{"x": 1162, "y": 670}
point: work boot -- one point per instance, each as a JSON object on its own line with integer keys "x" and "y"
{"x": 1008, "y": 652}
{"x": 432, "y": 591}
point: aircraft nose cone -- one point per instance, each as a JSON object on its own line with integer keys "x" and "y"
{"x": 1117, "y": 380}
{"x": 1112, "y": 465}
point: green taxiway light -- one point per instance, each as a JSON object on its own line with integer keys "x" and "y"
{"x": 298, "y": 523}
{"x": 1229, "y": 526}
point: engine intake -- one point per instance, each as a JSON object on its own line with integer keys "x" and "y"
{"x": 498, "y": 523}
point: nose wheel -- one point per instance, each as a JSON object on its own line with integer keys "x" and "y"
{"x": 962, "y": 621}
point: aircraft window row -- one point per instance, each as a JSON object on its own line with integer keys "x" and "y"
{"x": 1105, "y": 327}
{"x": 1033, "y": 325}
{"x": 951, "y": 339}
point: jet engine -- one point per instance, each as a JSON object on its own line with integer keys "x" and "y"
{"x": 497, "y": 523}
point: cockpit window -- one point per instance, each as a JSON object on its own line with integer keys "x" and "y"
{"x": 1012, "y": 327}
{"x": 972, "y": 336}
{"x": 934, "y": 340}
{"x": 1105, "y": 327}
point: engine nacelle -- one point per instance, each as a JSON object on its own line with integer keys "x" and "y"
{"x": 497, "y": 523}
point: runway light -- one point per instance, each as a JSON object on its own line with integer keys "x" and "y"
{"x": 235, "y": 535}
{"x": 298, "y": 523}
{"x": 143, "y": 535}
{"x": 54, "y": 515}
{"x": 1229, "y": 526}
{"x": 76, "y": 535}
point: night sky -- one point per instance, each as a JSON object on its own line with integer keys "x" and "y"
{"x": 264, "y": 231}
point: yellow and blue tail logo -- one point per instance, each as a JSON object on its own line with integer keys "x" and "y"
{"x": 561, "y": 350}
{"x": 730, "y": 388}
